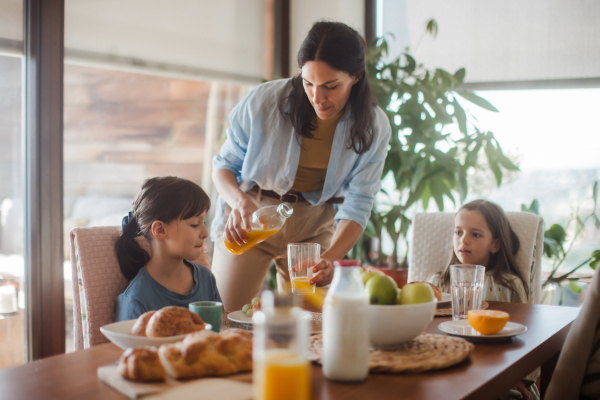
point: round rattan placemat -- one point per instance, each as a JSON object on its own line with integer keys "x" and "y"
{"x": 447, "y": 311}
{"x": 426, "y": 352}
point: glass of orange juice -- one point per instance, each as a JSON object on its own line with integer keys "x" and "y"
{"x": 280, "y": 349}
{"x": 301, "y": 258}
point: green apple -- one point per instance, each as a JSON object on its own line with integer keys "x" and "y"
{"x": 398, "y": 296}
{"x": 369, "y": 274}
{"x": 382, "y": 290}
{"x": 415, "y": 293}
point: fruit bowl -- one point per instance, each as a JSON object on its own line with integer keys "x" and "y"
{"x": 392, "y": 325}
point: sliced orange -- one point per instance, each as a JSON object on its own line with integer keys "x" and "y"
{"x": 487, "y": 322}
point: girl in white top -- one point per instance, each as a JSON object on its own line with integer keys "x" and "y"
{"x": 483, "y": 236}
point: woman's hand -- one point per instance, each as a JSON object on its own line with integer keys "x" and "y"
{"x": 323, "y": 271}
{"x": 240, "y": 212}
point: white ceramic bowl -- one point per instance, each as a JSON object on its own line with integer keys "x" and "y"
{"x": 119, "y": 334}
{"x": 392, "y": 325}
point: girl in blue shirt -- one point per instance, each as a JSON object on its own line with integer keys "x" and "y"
{"x": 169, "y": 212}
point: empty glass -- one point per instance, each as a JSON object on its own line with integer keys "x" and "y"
{"x": 466, "y": 287}
{"x": 301, "y": 258}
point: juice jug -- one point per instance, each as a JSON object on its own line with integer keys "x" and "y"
{"x": 280, "y": 349}
{"x": 346, "y": 327}
{"x": 265, "y": 222}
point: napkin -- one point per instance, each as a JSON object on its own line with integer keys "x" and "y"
{"x": 234, "y": 387}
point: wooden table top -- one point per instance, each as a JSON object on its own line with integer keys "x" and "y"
{"x": 492, "y": 369}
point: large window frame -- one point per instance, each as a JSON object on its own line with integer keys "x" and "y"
{"x": 44, "y": 53}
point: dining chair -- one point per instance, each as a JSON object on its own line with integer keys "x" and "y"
{"x": 577, "y": 372}
{"x": 97, "y": 281}
{"x": 430, "y": 246}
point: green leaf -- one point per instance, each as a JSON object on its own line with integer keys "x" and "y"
{"x": 493, "y": 163}
{"x": 575, "y": 288}
{"x": 462, "y": 183}
{"x": 535, "y": 207}
{"x": 432, "y": 27}
{"x": 480, "y": 101}
{"x": 419, "y": 171}
{"x": 411, "y": 64}
{"x": 460, "y": 75}
{"x": 556, "y": 232}
{"x": 460, "y": 116}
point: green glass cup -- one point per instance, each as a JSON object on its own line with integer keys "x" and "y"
{"x": 211, "y": 312}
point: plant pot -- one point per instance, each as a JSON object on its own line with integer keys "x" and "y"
{"x": 400, "y": 275}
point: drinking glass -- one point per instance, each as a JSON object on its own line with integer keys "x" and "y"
{"x": 210, "y": 312}
{"x": 301, "y": 258}
{"x": 466, "y": 286}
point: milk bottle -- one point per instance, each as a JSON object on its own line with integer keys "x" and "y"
{"x": 346, "y": 327}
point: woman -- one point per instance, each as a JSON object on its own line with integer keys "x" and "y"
{"x": 315, "y": 140}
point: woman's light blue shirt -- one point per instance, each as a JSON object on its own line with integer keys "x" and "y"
{"x": 262, "y": 149}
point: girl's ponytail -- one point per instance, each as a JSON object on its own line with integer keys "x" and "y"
{"x": 132, "y": 257}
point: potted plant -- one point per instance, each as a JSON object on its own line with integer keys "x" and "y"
{"x": 558, "y": 244}
{"x": 435, "y": 142}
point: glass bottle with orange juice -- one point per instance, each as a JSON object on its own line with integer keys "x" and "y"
{"x": 280, "y": 349}
{"x": 265, "y": 222}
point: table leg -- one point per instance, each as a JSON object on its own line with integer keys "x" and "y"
{"x": 546, "y": 374}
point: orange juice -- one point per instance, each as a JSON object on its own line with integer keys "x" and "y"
{"x": 254, "y": 237}
{"x": 300, "y": 285}
{"x": 282, "y": 375}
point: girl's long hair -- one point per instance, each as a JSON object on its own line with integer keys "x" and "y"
{"x": 343, "y": 49}
{"x": 161, "y": 199}
{"x": 503, "y": 262}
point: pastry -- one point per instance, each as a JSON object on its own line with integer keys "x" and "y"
{"x": 207, "y": 353}
{"x": 141, "y": 364}
{"x": 436, "y": 290}
{"x": 257, "y": 306}
{"x": 172, "y": 321}
{"x": 139, "y": 328}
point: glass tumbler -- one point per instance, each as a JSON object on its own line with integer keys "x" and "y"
{"x": 466, "y": 287}
{"x": 301, "y": 258}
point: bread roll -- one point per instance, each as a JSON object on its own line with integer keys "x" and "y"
{"x": 139, "y": 328}
{"x": 141, "y": 364}
{"x": 172, "y": 321}
{"x": 207, "y": 353}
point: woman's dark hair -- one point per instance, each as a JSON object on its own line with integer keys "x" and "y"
{"x": 343, "y": 49}
{"x": 503, "y": 262}
{"x": 161, "y": 199}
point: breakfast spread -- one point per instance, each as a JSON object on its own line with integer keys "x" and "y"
{"x": 168, "y": 321}
{"x": 141, "y": 364}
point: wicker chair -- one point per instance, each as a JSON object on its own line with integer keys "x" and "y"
{"x": 97, "y": 282}
{"x": 431, "y": 245}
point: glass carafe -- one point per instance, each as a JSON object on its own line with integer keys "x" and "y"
{"x": 265, "y": 222}
{"x": 280, "y": 349}
{"x": 346, "y": 327}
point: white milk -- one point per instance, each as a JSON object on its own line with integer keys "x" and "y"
{"x": 346, "y": 336}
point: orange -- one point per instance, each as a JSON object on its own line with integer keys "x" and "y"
{"x": 487, "y": 322}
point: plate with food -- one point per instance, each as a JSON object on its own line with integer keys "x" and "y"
{"x": 483, "y": 325}
{"x": 153, "y": 328}
{"x": 244, "y": 316}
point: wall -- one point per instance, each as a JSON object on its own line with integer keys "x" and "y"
{"x": 304, "y": 13}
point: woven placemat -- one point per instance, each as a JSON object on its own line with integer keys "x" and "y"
{"x": 427, "y": 352}
{"x": 447, "y": 311}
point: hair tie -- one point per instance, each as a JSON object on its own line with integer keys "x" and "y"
{"x": 130, "y": 226}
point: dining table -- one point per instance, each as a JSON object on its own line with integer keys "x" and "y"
{"x": 493, "y": 367}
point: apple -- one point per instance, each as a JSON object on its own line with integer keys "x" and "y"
{"x": 398, "y": 296}
{"x": 382, "y": 289}
{"x": 369, "y": 274}
{"x": 415, "y": 293}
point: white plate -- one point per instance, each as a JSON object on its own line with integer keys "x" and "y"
{"x": 241, "y": 318}
{"x": 119, "y": 334}
{"x": 445, "y": 301}
{"x": 463, "y": 329}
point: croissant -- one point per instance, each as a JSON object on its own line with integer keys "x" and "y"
{"x": 207, "y": 353}
{"x": 141, "y": 364}
{"x": 139, "y": 328}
